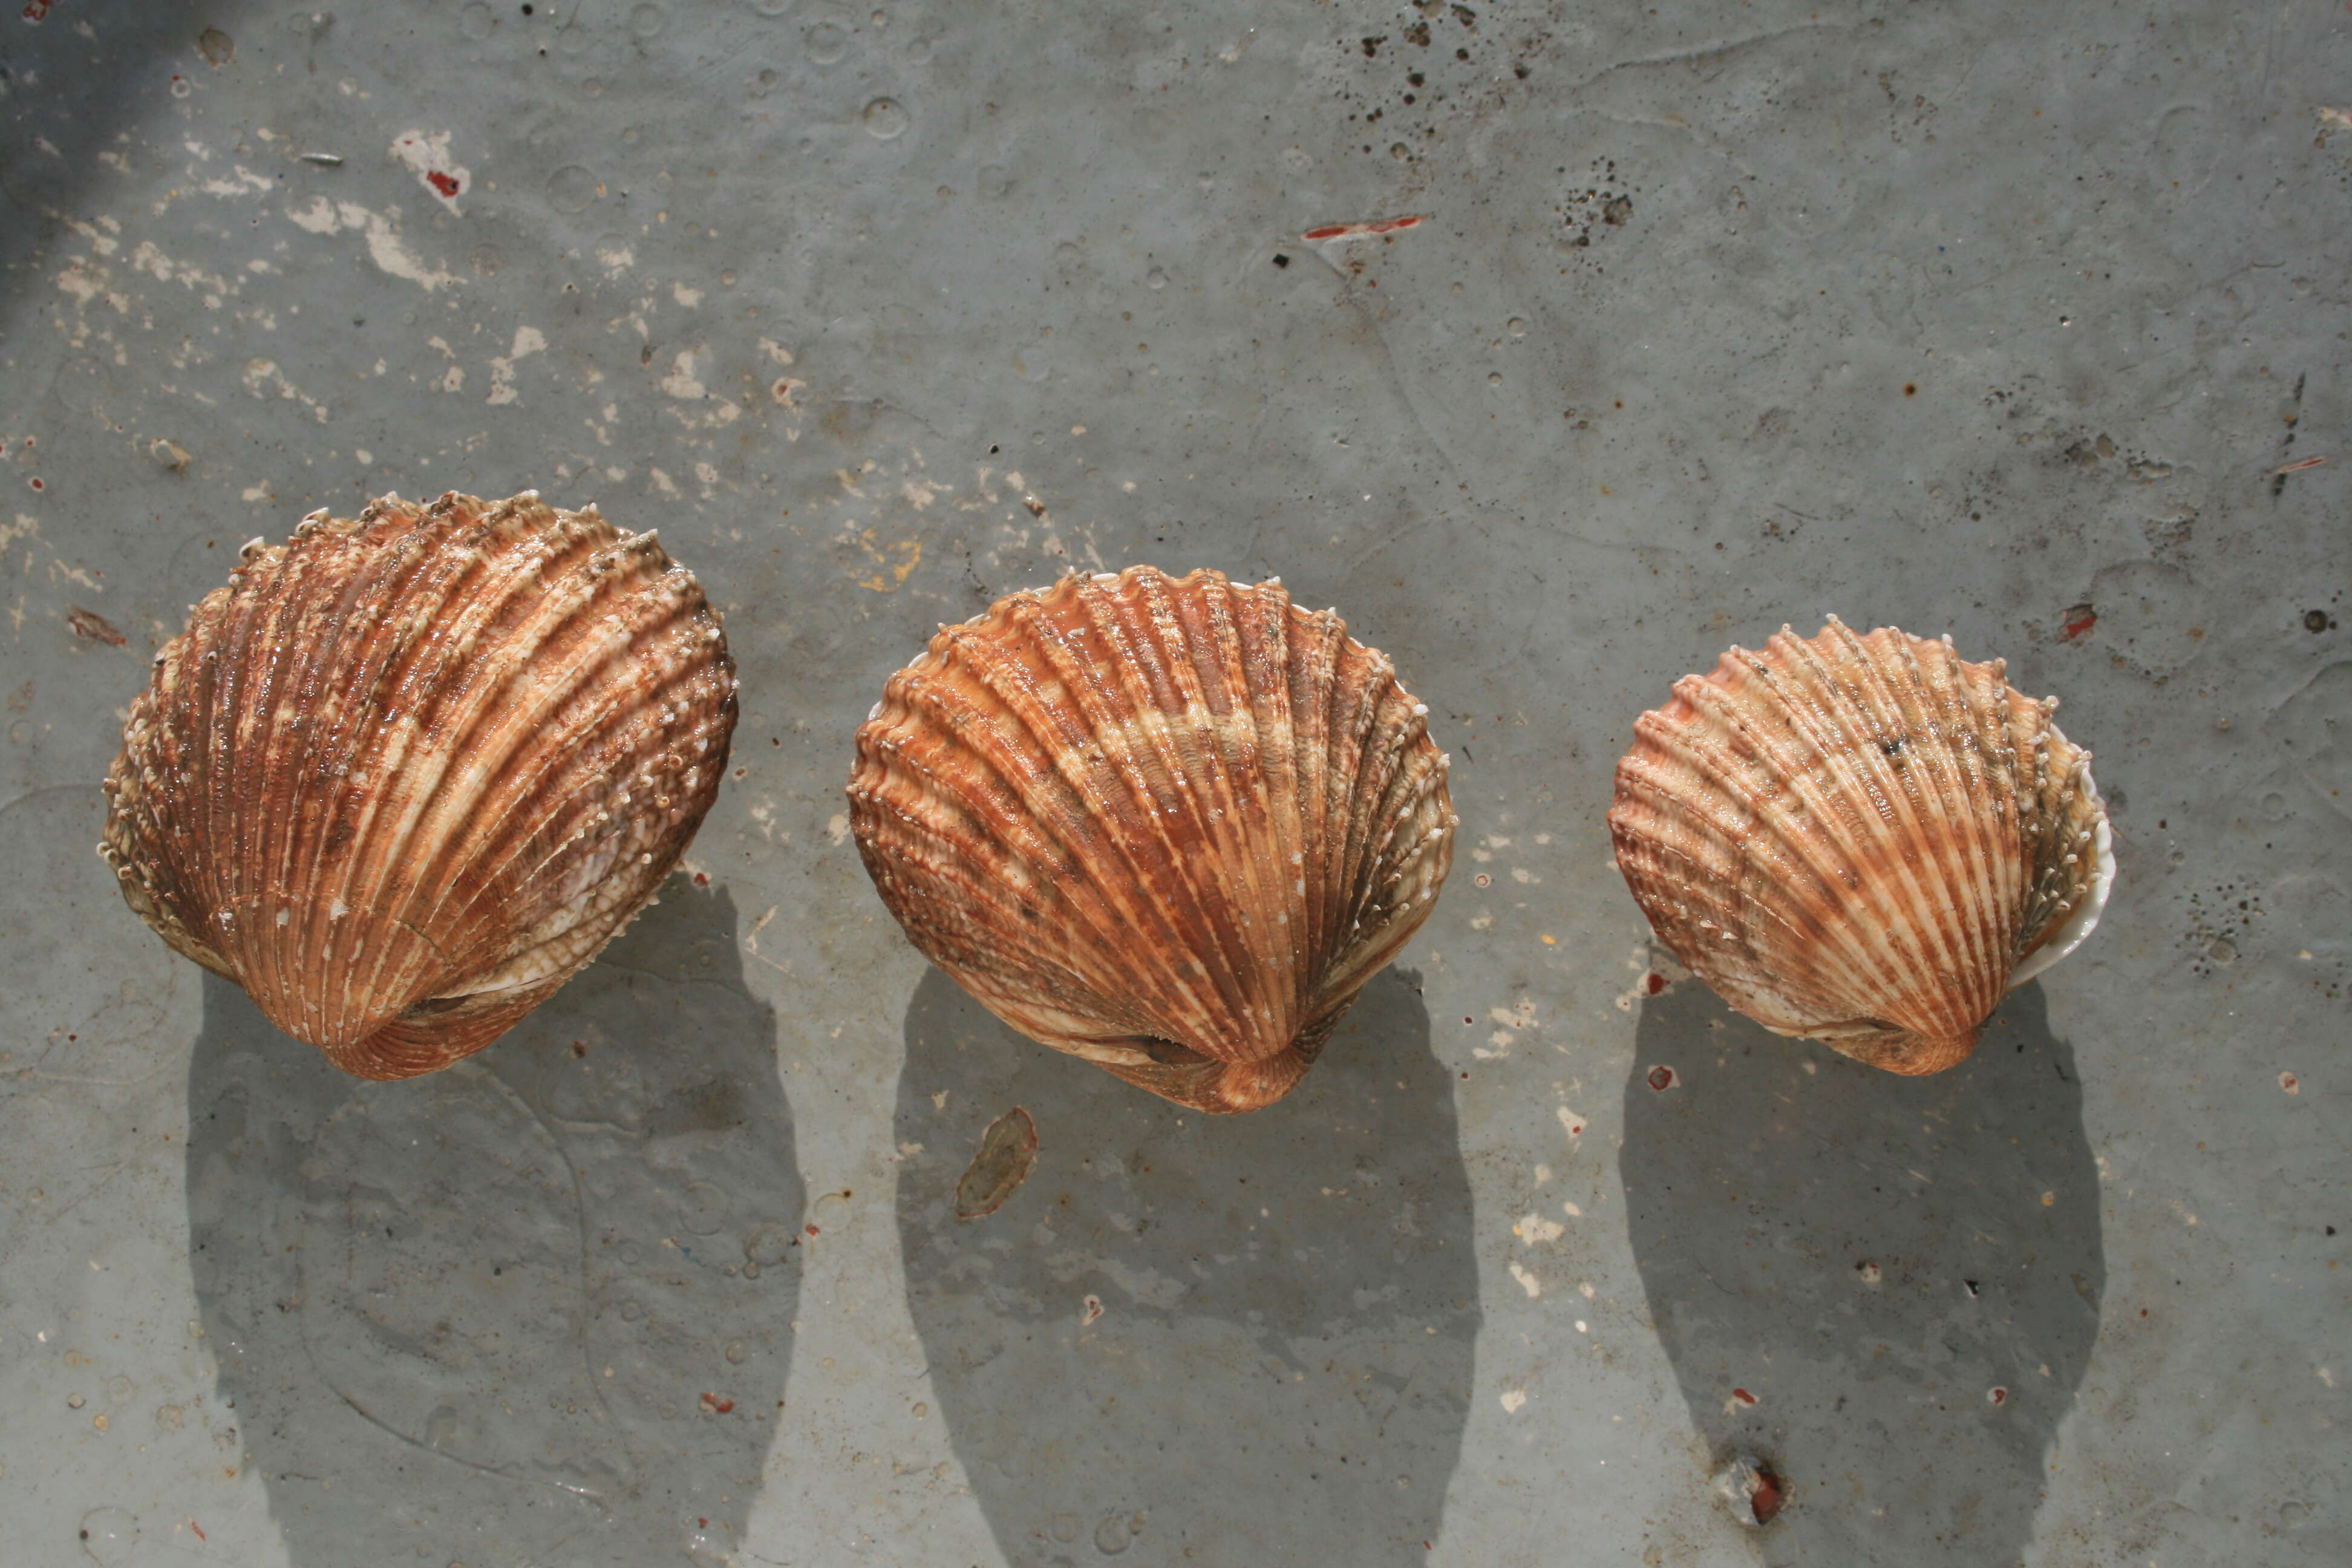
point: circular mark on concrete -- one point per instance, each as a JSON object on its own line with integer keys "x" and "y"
{"x": 646, "y": 20}
{"x": 487, "y": 259}
{"x": 827, "y": 43}
{"x": 771, "y": 7}
{"x": 571, "y": 188}
{"x": 703, "y": 1207}
{"x": 994, "y": 180}
{"x": 109, "y": 1534}
{"x": 474, "y": 21}
{"x": 886, "y": 119}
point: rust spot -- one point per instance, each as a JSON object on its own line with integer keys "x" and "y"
{"x": 579, "y": 1048}
{"x": 1662, "y": 1077}
{"x": 1910, "y": 389}
{"x": 91, "y": 624}
{"x": 2081, "y": 618}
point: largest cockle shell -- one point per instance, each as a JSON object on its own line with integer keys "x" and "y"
{"x": 1171, "y": 825}
{"x": 1866, "y": 841}
{"x": 405, "y": 774}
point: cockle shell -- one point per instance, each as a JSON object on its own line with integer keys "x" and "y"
{"x": 1171, "y": 825}
{"x": 1865, "y": 840}
{"x": 403, "y": 775}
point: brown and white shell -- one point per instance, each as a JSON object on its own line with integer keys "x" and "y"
{"x": 403, "y": 775}
{"x": 1171, "y": 825}
{"x": 1865, "y": 840}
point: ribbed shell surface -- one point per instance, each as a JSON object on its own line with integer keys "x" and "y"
{"x": 1862, "y": 839}
{"x": 1171, "y": 825}
{"x": 405, "y": 774}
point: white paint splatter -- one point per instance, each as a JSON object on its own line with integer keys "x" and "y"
{"x": 836, "y": 828}
{"x": 1571, "y": 1122}
{"x": 681, "y": 382}
{"x": 689, "y": 298}
{"x": 385, "y": 246}
{"x": 427, "y": 153}
{"x": 1511, "y": 1401}
{"x": 1534, "y": 1229}
{"x": 1527, "y": 1282}
{"x": 243, "y": 183}
{"x": 527, "y": 340}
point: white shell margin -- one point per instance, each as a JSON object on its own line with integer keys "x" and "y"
{"x": 2086, "y": 919}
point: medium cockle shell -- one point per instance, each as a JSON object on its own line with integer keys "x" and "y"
{"x": 1865, "y": 840}
{"x": 1171, "y": 825}
{"x": 403, "y": 775}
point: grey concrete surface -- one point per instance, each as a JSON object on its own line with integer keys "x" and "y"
{"x": 1995, "y": 320}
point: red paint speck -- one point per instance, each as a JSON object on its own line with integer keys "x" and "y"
{"x": 1358, "y": 230}
{"x": 1662, "y": 1077}
{"x": 812, "y": 1230}
{"x": 35, "y": 11}
{"x": 199, "y": 1530}
{"x": 579, "y": 1048}
{"x": 1742, "y": 1396}
{"x": 701, "y": 1522}
{"x": 39, "y": 484}
{"x": 2079, "y": 619}
{"x": 702, "y": 878}
{"x": 1998, "y": 1395}
{"x": 716, "y": 1405}
{"x": 1766, "y": 1497}
{"x": 444, "y": 183}
{"x": 1657, "y": 982}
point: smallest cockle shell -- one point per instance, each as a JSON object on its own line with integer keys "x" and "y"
{"x": 1864, "y": 840}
